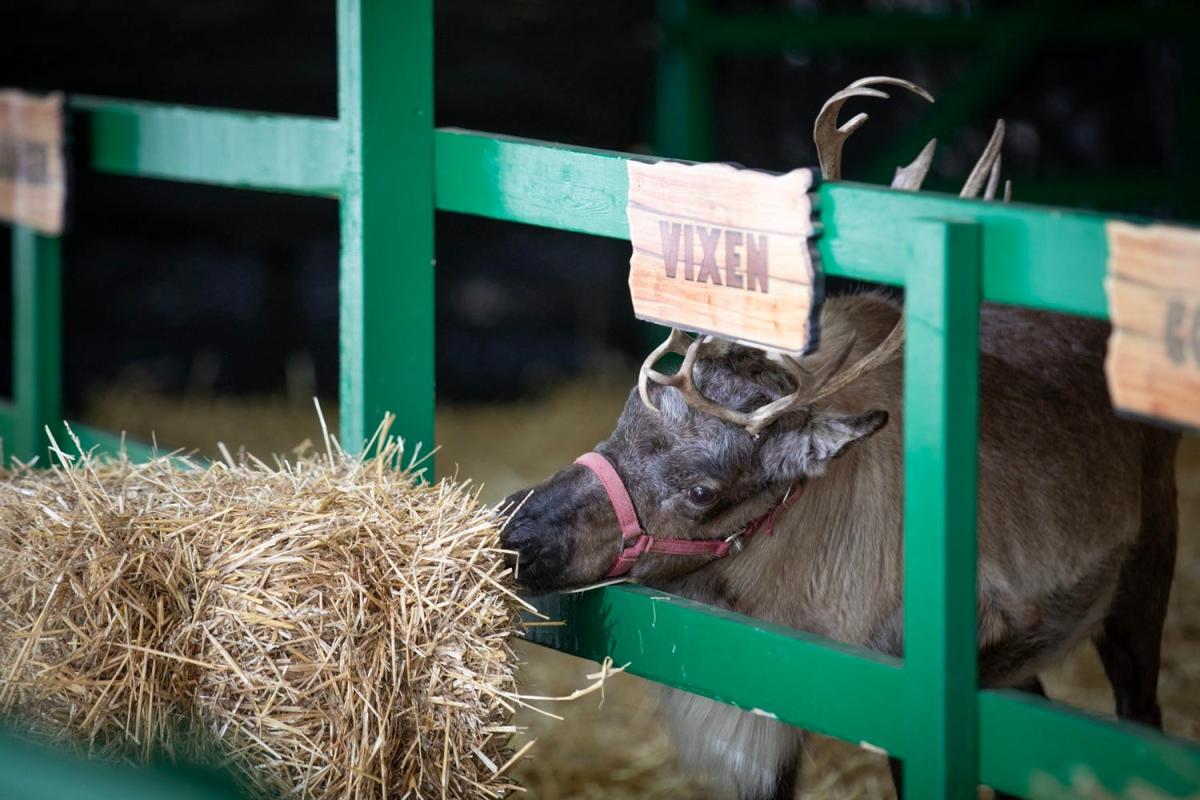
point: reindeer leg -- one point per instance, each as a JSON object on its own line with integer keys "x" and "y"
{"x": 1130, "y": 645}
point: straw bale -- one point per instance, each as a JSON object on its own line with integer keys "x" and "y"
{"x": 326, "y": 626}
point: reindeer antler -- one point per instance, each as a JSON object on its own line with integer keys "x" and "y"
{"x": 680, "y": 343}
{"x": 830, "y": 137}
{"x": 812, "y": 388}
{"x": 988, "y": 168}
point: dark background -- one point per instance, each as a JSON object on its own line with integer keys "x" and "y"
{"x": 182, "y": 288}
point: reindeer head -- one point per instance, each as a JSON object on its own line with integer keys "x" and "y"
{"x": 706, "y": 452}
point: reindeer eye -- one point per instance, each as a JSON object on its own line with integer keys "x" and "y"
{"x": 701, "y": 495}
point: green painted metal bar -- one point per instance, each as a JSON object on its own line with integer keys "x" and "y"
{"x": 1040, "y": 257}
{"x": 33, "y": 772}
{"x": 277, "y": 152}
{"x": 539, "y": 183}
{"x": 827, "y": 687}
{"x": 37, "y": 342}
{"x": 385, "y": 91}
{"x": 1031, "y": 747}
{"x": 941, "y": 422}
{"x": 773, "y": 32}
{"x": 684, "y": 120}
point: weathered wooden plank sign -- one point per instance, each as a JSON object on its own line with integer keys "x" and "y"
{"x": 1153, "y": 286}
{"x": 32, "y": 165}
{"x": 722, "y": 250}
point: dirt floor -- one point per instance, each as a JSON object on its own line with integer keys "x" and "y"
{"x": 618, "y": 749}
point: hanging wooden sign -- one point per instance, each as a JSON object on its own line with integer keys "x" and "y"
{"x": 723, "y": 250}
{"x": 1153, "y": 286}
{"x": 32, "y": 166}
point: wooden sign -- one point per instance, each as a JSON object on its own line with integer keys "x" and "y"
{"x": 1153, "y": 286}
{"x": 722, "y": 250}
{"x": 32, "y": 166}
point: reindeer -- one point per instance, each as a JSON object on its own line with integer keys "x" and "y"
{"x": 773, "y": 486}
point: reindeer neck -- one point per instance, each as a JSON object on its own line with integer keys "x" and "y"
{"x": 838, "y": 543}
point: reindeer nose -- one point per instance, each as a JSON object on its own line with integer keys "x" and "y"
{"x": 528, "y": 558}
{"x": 535, "y": 559}
{"x": 517, "y": 537}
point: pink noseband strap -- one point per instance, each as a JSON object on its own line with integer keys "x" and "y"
{"x": 607, "y": 473}
{"x": 635, "y": 541}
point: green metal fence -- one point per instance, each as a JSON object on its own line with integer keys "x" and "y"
{"x": 390, "y": 169}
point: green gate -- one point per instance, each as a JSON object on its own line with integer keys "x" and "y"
{"x": 391, "y": 169}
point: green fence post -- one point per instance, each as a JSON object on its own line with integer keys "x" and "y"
{"x": 37, "y": 337}
{"x": 385, "y": 98}
{"x": 683, "y": 111}
{"x": 941, "y": 412}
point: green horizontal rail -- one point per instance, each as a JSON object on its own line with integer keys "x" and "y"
{"x": 274, "y": 152}
{"x": 1038, "y": 257}
{"x": 851, "y": 693}
{"x": 539, "y": 183}
{"x": 828, "y": 687}
{"x": 1025, "y": 742}
{"x": 768, "y": 32}
{"x": 34, "y": 772}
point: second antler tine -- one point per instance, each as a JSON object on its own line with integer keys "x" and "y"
{"x": 829, "y": 136}
{"x": 979, "y": 173}
{"x": 1007, "y": 191}
{"x": 910, "y": 178}
{"x": 792, "y": 366}
{"x": 835, "y": 364}
{"x": 883, "y": 352}
{"x": 875, "y": 80}
{"x": 993, "y": 181}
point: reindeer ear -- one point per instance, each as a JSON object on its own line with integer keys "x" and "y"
{"x": 804, "y": 451}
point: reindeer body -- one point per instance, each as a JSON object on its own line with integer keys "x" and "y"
{"x": 1077, "y": 514}
{"x": 1066, "y": 491}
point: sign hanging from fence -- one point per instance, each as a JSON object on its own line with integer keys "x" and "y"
{"x": 1153, "y": 287}
{"x": 723, "y": 250}
{"x": 32, "y": 165}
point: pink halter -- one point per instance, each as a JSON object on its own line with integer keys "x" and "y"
{"x": 635, "y": 541}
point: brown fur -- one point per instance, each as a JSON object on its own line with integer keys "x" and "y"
{"x": 1076, "y": 520}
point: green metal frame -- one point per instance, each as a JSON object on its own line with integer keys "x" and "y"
{"x": 391, "y": 170}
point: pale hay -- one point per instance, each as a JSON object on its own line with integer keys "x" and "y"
{"x": 327, "y": 626}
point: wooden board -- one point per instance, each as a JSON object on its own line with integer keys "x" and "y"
{"x": 723, "y": 250}
{"x": 32, "y": 166}
{"x": 1153, "y": 286}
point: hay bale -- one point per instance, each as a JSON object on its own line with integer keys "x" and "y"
{"x": 327, "y": 626}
